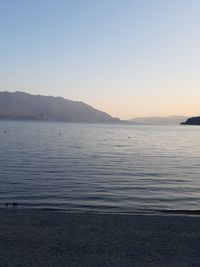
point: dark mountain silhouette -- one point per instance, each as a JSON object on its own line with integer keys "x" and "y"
{"x": 192, "y": 121}
{"x": 20, "y": 105}
{"x": 169, "y": 120}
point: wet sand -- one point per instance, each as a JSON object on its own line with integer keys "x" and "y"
{"x": 51, "y": 238}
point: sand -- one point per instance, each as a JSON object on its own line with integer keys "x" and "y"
{"x": 51, "y": 238}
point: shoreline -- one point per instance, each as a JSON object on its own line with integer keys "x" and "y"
{"x": 147, "y": 212}
{"x": 33, "y": 237}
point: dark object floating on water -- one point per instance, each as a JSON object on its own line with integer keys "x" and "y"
{"x": 192, "y": 121}
{"x": 14, "y": 204}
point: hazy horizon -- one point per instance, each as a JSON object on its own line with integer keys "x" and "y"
{"x": 129, "y": 59}
{"x": 133, "y": 118}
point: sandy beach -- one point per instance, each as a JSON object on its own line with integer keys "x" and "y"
{"x": 51, "y": 238}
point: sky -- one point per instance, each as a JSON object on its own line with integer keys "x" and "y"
{"x": 128, "y": 58}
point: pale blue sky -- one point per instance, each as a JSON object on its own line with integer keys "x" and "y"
{"x": 128, "y": 58}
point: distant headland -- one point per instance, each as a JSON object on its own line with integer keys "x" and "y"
{"x": 156, "y": 120}
{"x": 192, "y": 121}
{"x": 24, "y": 106}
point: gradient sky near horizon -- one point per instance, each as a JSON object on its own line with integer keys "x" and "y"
{"x": 126, "y": 57}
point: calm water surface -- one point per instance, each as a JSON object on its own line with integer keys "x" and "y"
{"x": 96, "y": 167}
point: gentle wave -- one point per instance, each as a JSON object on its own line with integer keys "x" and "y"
{"x": 96, "y": 168}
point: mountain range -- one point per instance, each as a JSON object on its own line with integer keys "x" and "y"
{"x": 24, "y": 106}
{"x": 169, "y": 120}
{"x": 20, "y": 105}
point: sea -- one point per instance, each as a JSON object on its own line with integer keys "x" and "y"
{"x": 105, "y": 168}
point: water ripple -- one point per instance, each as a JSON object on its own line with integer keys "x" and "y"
{"x": 97, "y": 168}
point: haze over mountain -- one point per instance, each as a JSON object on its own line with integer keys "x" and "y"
{"x": 168, "y": 120}
{"x": 20, "y": 105}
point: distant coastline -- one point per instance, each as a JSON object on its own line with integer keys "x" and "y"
{"x": 36, "y": 119}
{"x": 24, "y": 106}
{"x": 192, "y": 121}
{"x": 157, "y": 120}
